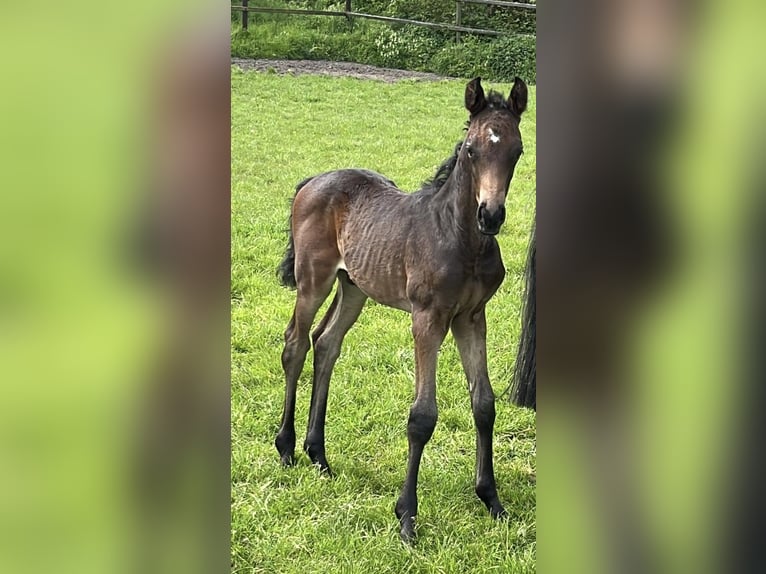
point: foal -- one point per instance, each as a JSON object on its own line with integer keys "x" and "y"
{"x": 431, "y": 253}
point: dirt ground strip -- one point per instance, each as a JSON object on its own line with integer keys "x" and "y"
{"x": 323, "y": 67}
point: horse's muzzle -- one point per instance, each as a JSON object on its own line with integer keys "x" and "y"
{"x": 490, "y": 221}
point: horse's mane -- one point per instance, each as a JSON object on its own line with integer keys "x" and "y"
{"x": 443, "y": 172}
{"x": 495, "y": 101}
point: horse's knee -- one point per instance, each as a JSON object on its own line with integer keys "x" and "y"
{"x": 421, "y": 422}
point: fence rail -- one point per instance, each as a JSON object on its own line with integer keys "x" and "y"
{"x": 457, "y": 27}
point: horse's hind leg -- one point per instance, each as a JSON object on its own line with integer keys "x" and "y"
{"x": 470, "y": 332}
{"x": 311, "y": 295}
{"x": 328, "y": 338}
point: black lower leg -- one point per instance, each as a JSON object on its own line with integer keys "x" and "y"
{"x": 326, "y": 352}
{"x": 293, "y": 356}
{"x": 285, "y": 444}
{"x": 420, "y": 427}
{"x": 484, "y": 417}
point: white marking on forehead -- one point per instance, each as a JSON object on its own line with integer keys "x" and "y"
{"x": 493, "y": 137}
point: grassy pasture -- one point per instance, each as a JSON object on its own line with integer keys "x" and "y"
{"x": 292, "y": 520}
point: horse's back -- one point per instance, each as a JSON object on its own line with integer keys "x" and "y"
{"x": 349, "y": 183}
{"x": 346, "y": 195}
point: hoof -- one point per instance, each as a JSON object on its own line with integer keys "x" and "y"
{"x": 318, "y": 459}
{"x": 407, "y": 530}
{"x": 287, "y": 460}
{"x": 498, "y": 512}
{"x": 487, "y": 493}
{"x": 324, "y": 468}
{"x": 286, "y": 449}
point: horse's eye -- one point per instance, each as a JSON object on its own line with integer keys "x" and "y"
{"x": 469, "y": 151}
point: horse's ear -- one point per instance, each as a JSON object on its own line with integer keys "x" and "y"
{"x": 517, "y": 99}
{"x": 474, "y": 97}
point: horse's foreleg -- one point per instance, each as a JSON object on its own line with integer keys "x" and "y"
{"x": 328, "y": 338}
{"x": 470, "y": 332}
{"x": 428, "y": 330}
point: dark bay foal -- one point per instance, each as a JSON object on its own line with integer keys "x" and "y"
{"x": 431, "y": 253}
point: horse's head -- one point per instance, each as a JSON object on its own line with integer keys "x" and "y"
{"x": 492, "y": 147}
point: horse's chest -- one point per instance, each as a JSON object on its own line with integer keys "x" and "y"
{"x": 481, "y": 285}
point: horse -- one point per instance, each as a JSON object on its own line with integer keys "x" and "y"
{"x": 431, "y": 253}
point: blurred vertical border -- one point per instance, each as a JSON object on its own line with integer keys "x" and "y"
{"x": 650, "y": 283}
{"x": 114, "y": 283}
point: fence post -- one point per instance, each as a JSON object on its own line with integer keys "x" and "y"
{"x": 458, "y": 18}
{"x": 244, "y": 14}
{"x": 348, "y": 9}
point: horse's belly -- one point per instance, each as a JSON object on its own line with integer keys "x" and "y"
{"x": 385, "y": 284}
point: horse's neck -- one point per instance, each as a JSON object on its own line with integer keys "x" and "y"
{"x": 460, "y": 198}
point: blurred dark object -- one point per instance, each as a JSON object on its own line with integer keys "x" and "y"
{"x": 606, "y": 97}
{"x": 745, "y": 551}
{"x": 183, "y": 443}
{"x": 524, "y": 383}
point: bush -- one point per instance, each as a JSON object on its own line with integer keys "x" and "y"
{"x": 389, "y": 48}
{"x": 514, "y": 56}
{"x": 492, "y": 18}
{"x": 465, "y": 60}
{"x": 408, "y": 47}
{"x": 424, "y": 10}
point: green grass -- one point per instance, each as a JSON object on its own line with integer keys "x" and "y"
{"x": 292, "y": 520}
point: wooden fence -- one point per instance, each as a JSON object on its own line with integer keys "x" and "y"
{"x": 349, "y": 14}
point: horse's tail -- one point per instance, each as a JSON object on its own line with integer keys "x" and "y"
{"x": 286, "y": 269}
{"x": 524, "y": 384}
